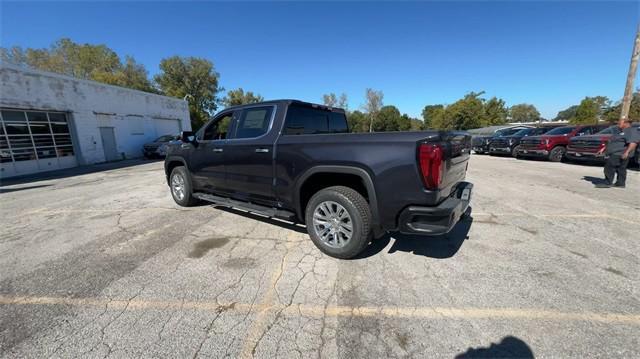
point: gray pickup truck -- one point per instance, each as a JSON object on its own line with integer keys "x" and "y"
{"x": 297, "y": 161}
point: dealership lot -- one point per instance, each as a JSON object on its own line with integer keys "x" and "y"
{"x": 105, "y": 264}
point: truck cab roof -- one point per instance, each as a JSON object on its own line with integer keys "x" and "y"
{"x": 284, "y": 102}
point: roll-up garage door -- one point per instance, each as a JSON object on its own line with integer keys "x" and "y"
{"x": 34, "y": 141}
{"x": 166, "y": 127}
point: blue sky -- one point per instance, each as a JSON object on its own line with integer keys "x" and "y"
{"x": 551, "y": 54}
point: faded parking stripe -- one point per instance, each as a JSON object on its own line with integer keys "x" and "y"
{"x": 335, "y": 311}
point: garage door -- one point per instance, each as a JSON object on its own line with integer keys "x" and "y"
{"x": 34, "y": 141}
{"x": 166, "y": 127}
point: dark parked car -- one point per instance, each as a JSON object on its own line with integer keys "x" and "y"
{"x": 481, "y": 142}
{"x": 553, "y": 144}
{"x": 508, "y": 145}
{"x": 158, "y": 148}
{"x": 297, "y": 161}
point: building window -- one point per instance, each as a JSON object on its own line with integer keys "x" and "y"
{"x": 32, "y": 135}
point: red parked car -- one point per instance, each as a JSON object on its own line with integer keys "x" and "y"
{"x": 584, "y": 148}
{"x": 553, "y": 144}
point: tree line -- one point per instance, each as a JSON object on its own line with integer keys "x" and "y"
{"x": 197, "y": 81}
{"x": 473, "y": 111}
{"x": 192, "y": 78}
{"x": 599, "y": 108}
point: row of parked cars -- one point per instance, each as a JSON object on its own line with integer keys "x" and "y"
{"x": 578, "y": 143}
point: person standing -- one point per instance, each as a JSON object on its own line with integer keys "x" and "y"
{"x": 620, "y": 147}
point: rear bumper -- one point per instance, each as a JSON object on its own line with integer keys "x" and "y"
{"x": 439, "y": 219}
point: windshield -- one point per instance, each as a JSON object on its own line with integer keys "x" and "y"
{"x": 165, "y": 138}
{"x": 607, "y": 131}
{"x": 507, "y": 132}
{"x": 523, "y": 132}
{"x": 560, "y": 131}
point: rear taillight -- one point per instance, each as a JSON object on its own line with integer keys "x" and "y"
{"x": 430, "y": 158}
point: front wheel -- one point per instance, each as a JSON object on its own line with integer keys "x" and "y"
{"x": 339, "y": 221}
{"x": 514, "y": 151}
{"x": 181, "y": 189}
{"x": 556, "y": 154}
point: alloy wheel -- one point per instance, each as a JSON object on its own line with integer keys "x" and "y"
{"x": 177, "y": 186}
{"x": 332, "y": 223}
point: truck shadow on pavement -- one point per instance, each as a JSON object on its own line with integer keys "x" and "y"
{"x": 443, "y": 246}
{"x": 509, "y": 347}
{"x": 439, "y": 247}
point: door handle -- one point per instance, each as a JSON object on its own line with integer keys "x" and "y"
{"x": 262, "y": 150}
{"x": 218, "y": 150}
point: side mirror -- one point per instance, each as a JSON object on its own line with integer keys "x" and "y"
{"x": 188, "y": 136}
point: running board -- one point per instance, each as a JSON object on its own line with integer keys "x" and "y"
{"x": 245, "y": 206}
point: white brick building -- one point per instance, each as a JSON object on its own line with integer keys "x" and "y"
{"x": 50, "y": 121}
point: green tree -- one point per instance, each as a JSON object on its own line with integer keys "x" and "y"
{"x": 358, "y": 121}
{"x": 431, "y": 113}
{"x": 239, "y": 97}
{"x": 390, "y": 119}
{"x": 612, "y": 113}
{"x": 465, "y": 113}
{"x": 566, "y": 114}
{"x": 84, "y": 61}
{"x": 495, "y": 112}
{"x": 192, "y": 78}
{"x": 587, "y": 112}
{"x": 414, "y": 123}
{"x": 524, "y": 112}
{"x": 132, "y": 75}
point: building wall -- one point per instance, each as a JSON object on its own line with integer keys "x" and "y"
{"x": 136, "y": 116}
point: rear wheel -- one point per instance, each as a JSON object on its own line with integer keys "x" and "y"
{"x": 557, "y": 153}
{"x": 339, "y": 221}
{"x": 181, "y": 190}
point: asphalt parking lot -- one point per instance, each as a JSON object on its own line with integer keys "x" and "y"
{"x": 105, "y": 264}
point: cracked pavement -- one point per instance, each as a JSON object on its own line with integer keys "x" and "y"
{"x": 104, "y": 264}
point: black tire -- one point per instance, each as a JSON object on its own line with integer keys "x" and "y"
{"x": 557, "y": 154}
{"x": 187, "y": 199}
{"x": 360, "y": 217}
{"x": 514, "y": 151}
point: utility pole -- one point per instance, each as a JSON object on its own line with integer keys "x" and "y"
{"x": 633, "y": 67}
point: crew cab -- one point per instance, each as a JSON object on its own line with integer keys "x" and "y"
{"x": 553, "y": 144}
{"x": 480, "y": 141}
{"x": 585, "y": 148}
{"x": 509, "y": 144}
{"x": 297, "y": 161}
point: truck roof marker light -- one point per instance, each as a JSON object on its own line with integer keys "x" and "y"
{"x": 430, "y": 159}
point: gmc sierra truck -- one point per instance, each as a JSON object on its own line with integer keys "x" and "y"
{"x": 585, "y": 148}
{"x": 553, "y": 144}
{"x": 297, "y": 161}
{"x": 509, "y": 144}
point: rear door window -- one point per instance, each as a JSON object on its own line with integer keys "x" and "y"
{"x": 338, "y": 123}
{"x": 302, "y": 120}
{"x": 254, "y": 122}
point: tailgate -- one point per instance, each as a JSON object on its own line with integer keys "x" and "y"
{"x": 457, "y": 153}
